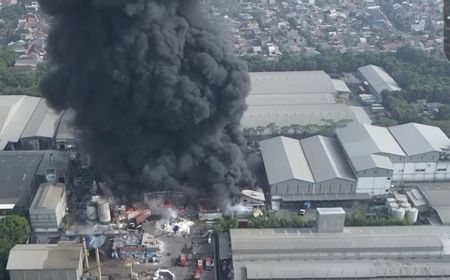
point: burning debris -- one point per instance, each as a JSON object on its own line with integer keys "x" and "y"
{"x": 158, "y": 93}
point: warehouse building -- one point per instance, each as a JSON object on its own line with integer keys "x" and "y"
{"x": 21, "y": 172}
{"x": 288, "y": 98}
{"x": 48, "y": 208}
{"x": 377, "y": 80}
{"x": 313, "y": 169}
{"x": 62, "y": 261}
{"x": 374, "y": 155}
{"x": 428, "y": 152}
{"x": 406, "y": 252}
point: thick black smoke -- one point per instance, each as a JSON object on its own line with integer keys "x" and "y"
{"x": 158, "y": 93}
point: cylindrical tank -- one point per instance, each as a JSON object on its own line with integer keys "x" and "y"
{"x": 411, "y": 215}
{"x": 405, "y": 205}
{"x": 104, "y": 214}
{"x": 398, "y": 213}
{"x": 91, "y": 211}
{"x": 392, "y": 205}
{"x": 390, "y": 200}
{"x": 402, "y": 200}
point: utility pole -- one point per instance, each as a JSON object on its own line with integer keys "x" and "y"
{"x": 97, "y": 258}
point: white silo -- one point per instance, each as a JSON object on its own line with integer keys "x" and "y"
{"x": 398, "y": 213}
{"x": 390, "y": 200}
{"x": 405, "y": 205}
{"x": 104, "y": 214}
{"x": 392, "y": 205}
{"x": 91, "y": 211}
{"x": 411, "y": 215}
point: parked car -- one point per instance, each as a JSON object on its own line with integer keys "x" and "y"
{"x": 302, "y": 212}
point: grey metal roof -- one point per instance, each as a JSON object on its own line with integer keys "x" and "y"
{"x": 326, "y": 159}
{"x": 289, "y": 99}
{"x": 361, "y": 115}
{"x": 418, "y": 268}
{"x": 17, "y": 171}
{"x": 299, "y": 82}
{"x": 25, "y": 116}
{"x": 289, "y": 253}
{"x": 284, "y": 160}
{"x": 66, "y": 129}
{"x": 340, "y": 86}
{"x": 295, "y": 114}
{"x": 438, "y": 197}
{"x": 378, "y": 78}
{"x": 336, "y": 210}
{"x": 324, "y": 197}
{"x": 417, "y": 138}
{"x": 43, "y": 122}
{"x": 365, "y": 145}
{"x": 47, "y": 196}
{"x": 64, "y": 255}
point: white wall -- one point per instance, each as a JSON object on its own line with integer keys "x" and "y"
{"x": 373, "y": 185}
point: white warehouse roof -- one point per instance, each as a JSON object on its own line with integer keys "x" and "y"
{"x": 417, "y": 138}
{"x": 361, "y": 141}
{"x": 378, "y": 78}
{"x": 47, "y": 196}
{"x": 25, "y": 116}
{"x": 64, "y": 255}
{"x": 299, "y": 82}
{"x": 326, "y": 159}
{"x": 284, "y": 160}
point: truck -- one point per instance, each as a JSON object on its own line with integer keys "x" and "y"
{"x": 208, "y": 263}
{"x": 199, "y": 265}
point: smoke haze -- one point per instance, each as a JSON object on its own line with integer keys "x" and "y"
{"x": 157, "y": 92}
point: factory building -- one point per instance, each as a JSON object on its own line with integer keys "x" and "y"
{"x": 62, "y": 261}
{"x": 28, "y": 123}
{"x": 428, "y": 152}
{"x": 300, "y": 98}
{"x": 374, "y": 155}
{"x": 406, "y": 252}
{"x": 21, "y": 172}
{"x": 313, "y": 169}
{"x": 48, "y": 208}
{"x": 377, "y": 80}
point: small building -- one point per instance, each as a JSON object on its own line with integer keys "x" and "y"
{"x": 377, "y": 80}
{"x": 62, "y": 261}
{"x": 48, "y": 208}
{"x": 252, "y": 199}
{"x": 330, "y": 219}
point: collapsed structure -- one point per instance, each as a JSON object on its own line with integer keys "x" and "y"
{"x": 364, "y": 161}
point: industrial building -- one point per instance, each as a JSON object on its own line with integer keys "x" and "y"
{"x": 428, "y": 152}
{"x": 48, "y": 207}
{"x": 393, "y": 252}
{"x": 374, "y": 156}
{"x": 62, "y": 261}
{"x": 28, "y": 123}
{"x": 21, "y": 172}
{"x": 364, "y": 161}
{"x": 377, "y": 80}
{"x": 288, "y": 98}
{"x": 313, "y": 169}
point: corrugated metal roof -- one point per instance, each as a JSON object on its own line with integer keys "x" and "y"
{"x": 284, "y": 160}
{"x": 47, "y": 196}
{"x": 361, "y": 115}
{"x": 63, "y": 255}
{"x": 362, "y": 140}
{"x": 295, "y": 114}
{"x": 438, "y": 197}
{"x": 291, "y": 82}
{"x": 289, "y": 99}
{"x": 25, "y": 116}
{"x": 378, "y": 78}
{"x": 341, "y": 86}
{"x": 417, "y": 138}
{"x": 326, "y": 159}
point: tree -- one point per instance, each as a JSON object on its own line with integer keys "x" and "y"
{"x": 273, "y": 128}
{"x": 14, "y": 229}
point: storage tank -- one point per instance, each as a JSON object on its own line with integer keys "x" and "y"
{"x": 405, "y": 205}
{"x": 411, "y": 215}
{"x": 91, "y": 211}
{"x": 398, "y": 213}
{"x": 392, "y": 205}
{"x": 390, "y": 200}
{"x": 104, "y": 214}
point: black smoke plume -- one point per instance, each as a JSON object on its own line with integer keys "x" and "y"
{"x": 158, "y": 93}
